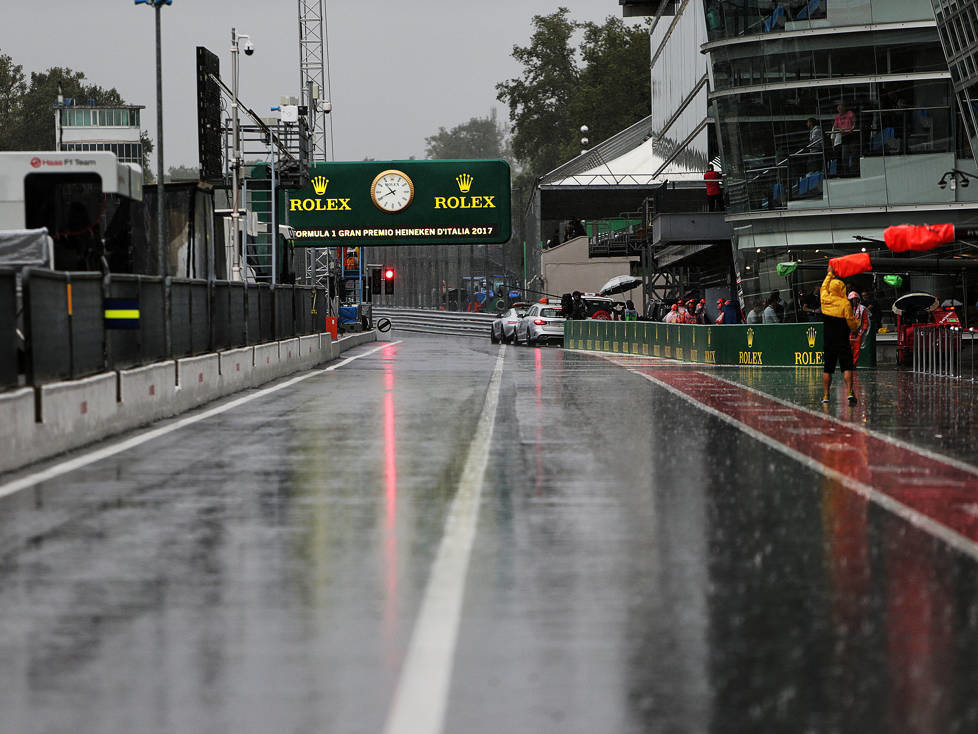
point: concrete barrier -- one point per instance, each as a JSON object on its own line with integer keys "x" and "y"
{"x": 79, "y": 412}
{"x": 17, "y": 428}
{"x": 288, "y": 354}
{"x": 198, "y": 381}
{"x": 310, "y": 351}
{"x": 266, "y": 363}
{"x": 237, "y": 369}
{"x": 146, "y": 394}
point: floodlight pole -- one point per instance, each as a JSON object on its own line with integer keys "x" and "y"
{"x": 160, "y": 188}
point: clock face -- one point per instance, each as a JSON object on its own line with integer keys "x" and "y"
{"x": 392, "y": 191}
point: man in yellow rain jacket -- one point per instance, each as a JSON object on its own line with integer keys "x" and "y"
{"x": 839, "y": 323}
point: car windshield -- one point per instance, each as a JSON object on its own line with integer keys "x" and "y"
{"x": 551, "y": 313}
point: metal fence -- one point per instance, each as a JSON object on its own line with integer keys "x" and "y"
{"x": 78, "y": 324}
{"x": 944, "y": 351}
{"x": 9, "y": 353}
{"x": 436, "y": 322}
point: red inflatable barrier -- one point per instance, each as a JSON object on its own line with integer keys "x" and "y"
{"x": 849, "y": 265}
{"x": 918, "y": 237}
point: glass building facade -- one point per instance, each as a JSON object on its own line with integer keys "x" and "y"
{"x": 957, "y": 23}
{"x": 835, "y": 119}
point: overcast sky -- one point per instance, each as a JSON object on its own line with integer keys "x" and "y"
{"x": 399, "y": 69}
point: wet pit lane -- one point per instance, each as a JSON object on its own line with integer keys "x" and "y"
{"x": 654, "y": 549}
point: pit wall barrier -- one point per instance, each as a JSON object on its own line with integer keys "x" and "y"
{"x": 40, "y": 422}
{"x": 759, "y": 345}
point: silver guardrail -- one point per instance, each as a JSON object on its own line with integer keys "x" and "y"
{"x": 436, "y": 322}
{"x": 941, "y": 351}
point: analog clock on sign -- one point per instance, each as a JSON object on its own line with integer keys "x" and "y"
{"x": 392, "y": 191}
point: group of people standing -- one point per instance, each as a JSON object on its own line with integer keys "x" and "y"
{"x": 843, "y": 127}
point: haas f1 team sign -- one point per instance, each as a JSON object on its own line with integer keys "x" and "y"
{"x": 402, "y": 203}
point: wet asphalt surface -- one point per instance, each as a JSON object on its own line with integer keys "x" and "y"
{"x": 638, "y": 565}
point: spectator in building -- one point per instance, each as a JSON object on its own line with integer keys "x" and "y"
{"x": 842, "y": 127}
{"x": 816, "y": 145}
{"x": 774, "y": 309}
{"x": 809, "y": 308}
{"x": 756, "y": 314}
{"x": 714, "y": 193}
{"x": 838, "y": 324}
{"x": 731, "y": 313}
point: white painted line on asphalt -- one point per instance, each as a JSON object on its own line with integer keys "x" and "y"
{"x": 942, "y": 458}
{"x": 921, "y": 521}
{"x": 57, "y": 470}
{"x": 421, "y": 698}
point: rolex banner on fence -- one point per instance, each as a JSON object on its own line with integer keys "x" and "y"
{"x": 401, "y": 203}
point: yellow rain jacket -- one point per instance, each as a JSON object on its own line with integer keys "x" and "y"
{"x": 835, "y": 303}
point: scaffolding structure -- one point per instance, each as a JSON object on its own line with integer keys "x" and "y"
{"x": 314, "y": 83}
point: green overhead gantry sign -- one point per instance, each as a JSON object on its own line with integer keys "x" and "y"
{"x": 380, "y": 203}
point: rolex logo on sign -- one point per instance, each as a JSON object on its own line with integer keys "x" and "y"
{"x": 811, "y": 337}
{"x": 750, "y": 338}
{"x": 319, "y": 185}
{"x": 464, "y": 182}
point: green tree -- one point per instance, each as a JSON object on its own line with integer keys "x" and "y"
{"x": 183, "y": 173}
{"x": 602, "y": 83}
{"x": 540, "y": 97}
{"x": 480, "y": 137}
{"x": 33, "y": 127}
{"x": 12, "y": 89}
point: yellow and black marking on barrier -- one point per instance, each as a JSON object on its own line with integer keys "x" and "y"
{"x": 121, "y": 313}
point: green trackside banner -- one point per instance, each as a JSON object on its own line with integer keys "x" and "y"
{"x": 380, "y": 203}
{"x": 762, "y": 345}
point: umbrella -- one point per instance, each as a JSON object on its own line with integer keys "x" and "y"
{"x": 914, "y": 302}
{"x": 620, "y": 284}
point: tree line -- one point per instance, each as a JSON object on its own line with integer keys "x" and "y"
{"x": 27, "y": 104}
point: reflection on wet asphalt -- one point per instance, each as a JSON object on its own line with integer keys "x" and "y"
{"x": 639, "y": 565}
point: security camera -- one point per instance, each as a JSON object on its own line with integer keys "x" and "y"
{"x": 326, "y": 106}
{"x": 942, "y": 184}
{"x": 249, "y": 48}
{"x": 964, "y": 183}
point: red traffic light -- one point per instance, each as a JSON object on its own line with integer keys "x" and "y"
{"x": 389, "y": 274}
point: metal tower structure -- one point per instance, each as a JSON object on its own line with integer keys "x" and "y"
{"x": 314, "y": 74}
{"x": 314, "y": 86}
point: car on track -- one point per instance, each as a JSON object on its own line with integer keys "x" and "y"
{"x": 543, "y": 323}
{"x": 503, "y": 328}
{"x": 599, "y": 307}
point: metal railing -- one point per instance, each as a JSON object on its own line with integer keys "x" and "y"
{"x": 940, "y": 351}
{"x": 436, "y": 322}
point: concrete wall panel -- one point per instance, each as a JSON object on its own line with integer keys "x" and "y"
{"x": 77, "y": 412}
{"x": 17, "y": 428}
{"x": 146, "y": 394}
{"x": 237, "y": 369}
{"x": 198, "y": 381}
